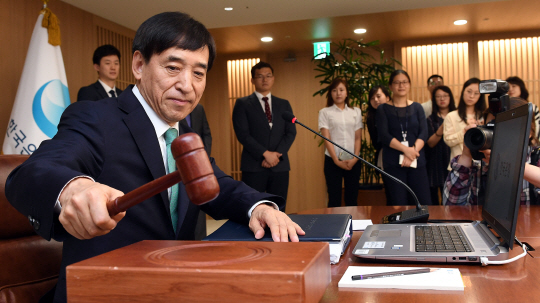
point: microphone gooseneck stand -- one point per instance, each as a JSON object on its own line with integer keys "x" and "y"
{"x": 418, "y": 215}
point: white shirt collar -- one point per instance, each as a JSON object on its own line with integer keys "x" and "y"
{"x": 336, "y": 107}
{"x": 160, "y": 126}
{"x": 106, "y": 87}
{"x": 260, "y": 96}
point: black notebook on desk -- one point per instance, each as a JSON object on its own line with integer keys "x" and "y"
{"x": 336, "y": 229}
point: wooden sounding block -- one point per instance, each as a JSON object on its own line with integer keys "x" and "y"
{"x": 194, "y": 271}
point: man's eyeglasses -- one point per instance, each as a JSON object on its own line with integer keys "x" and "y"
{"x": 436, "y": 82}
{"x": 260, "y": 77}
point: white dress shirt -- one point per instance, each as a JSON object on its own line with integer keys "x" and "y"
{"x": 269, "y": 96}
{"x": 108, "y": 88}
{"x": 342, "y": 125}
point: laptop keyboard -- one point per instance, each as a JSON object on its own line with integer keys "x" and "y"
{"x": 441, "y": 238}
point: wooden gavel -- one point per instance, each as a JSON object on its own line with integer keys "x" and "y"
{"x": 193, "y": 168}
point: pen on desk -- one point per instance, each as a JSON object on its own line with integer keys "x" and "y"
{"x": 393, "y": 273}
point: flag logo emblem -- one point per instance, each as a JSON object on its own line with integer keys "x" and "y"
{"x": 49, "y": 103}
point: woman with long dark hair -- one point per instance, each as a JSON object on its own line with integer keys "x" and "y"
{"x": 403, "y": 132}
{"x": 342, "y": 124}
{"x": 437, "y": 152}
{"x": 469, "y": 112}
{"x": 378, "y": 95}
{"x": 519, "y": 90}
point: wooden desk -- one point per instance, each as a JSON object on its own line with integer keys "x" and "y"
{"x": 519, "y": 281}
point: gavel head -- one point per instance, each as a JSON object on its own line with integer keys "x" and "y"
{"x": 195, "y": 169}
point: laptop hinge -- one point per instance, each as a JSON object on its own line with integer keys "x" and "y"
{"x": 487, "y": 235}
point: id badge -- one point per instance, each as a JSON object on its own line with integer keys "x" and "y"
{"x": 406, "y": 143}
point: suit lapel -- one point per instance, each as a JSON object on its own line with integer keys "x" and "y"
{"x": 142, "y": 130}
{"x": 195, "y": 120}
{"x": 101, "y": 91}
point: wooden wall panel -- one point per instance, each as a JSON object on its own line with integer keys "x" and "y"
{"x": 449, "y": 60}
{"x": 502, "y": 58}
{"x": 239, "y": 83}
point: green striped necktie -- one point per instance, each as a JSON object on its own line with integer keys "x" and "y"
{"x": 170, "y": 135}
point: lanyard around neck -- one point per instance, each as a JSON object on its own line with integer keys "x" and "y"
{"x": 403, "y": 132}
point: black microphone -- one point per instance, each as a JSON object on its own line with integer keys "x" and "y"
{"x": 418, "y": 215}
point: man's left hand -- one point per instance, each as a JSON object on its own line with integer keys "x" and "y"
{"x": 281, "y": 226}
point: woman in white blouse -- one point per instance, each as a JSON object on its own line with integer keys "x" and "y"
{"x": 341, "y": 124}
{"x": 469, "y": 113}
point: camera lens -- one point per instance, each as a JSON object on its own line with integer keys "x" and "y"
{"x": 478, "y": 138}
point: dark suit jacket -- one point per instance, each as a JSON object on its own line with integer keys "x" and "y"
{"x": 199, "y": 124}
{"x": 94, "y": 92}
{"x": 253, "y": 132}
{"x": 114, "y": 142}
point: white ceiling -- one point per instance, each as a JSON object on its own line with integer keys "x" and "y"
{"x": 131, "y": 13}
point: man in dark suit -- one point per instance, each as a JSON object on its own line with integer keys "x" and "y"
{"x": 112, "y": 146}
{"x": 107, "y": 64}
{"x": 266, "y": 137}
{"x": 198, "y": 122}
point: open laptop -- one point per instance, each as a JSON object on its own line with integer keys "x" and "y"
{"x": 499, "y": 213}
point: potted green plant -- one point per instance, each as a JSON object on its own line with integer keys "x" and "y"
{"x": 362, "y": 65}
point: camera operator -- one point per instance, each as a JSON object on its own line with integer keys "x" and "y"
{"x": 466, "y": 181}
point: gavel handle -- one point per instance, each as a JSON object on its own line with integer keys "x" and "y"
{"x": 142, "y": 193}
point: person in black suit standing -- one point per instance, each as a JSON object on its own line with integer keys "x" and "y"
{"x": 107, "y": 64}
{"x": 266, "y": 137}
{"x": 198, "y": 122}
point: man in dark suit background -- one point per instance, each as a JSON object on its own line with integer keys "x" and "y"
{"x": 106, "y": 61}
{"x": 198, "y": 122}
{"x": 112, "y": 146}
{"x": 265, "y": 136}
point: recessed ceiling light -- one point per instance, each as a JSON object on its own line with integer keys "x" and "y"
{"x": 228, "y": 8}
{"x": 460, "y": 22}
{"x": 360, "y": 31}
{"x": 266, "y": 39}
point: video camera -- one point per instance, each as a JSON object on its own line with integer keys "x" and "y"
{"x": 480, "y": 138}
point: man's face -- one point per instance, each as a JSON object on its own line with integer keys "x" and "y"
{"x": 108, "y": 68}
{"x": 263, "y": 81}
{"x": 172, "y": 82}
{"x": 434, "y": 82}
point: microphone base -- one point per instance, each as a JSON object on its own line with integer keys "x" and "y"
{"x": 408, "y": 216}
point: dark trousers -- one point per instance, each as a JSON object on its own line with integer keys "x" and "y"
{"x": 415, "y": 178}
{"x": 275, "y": 183}
{"x": 334, "y": 179}
{"x": 434, "y": 191}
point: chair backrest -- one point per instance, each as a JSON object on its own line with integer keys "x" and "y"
{"x": 30, "y": 264}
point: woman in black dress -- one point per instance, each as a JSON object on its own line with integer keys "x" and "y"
{"x": 437, "y": 152}
{"x": 377, "y": 95}
{"x": 403, "y": 132}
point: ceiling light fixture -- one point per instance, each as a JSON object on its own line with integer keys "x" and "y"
{"x": 228, "y": 8}
{"x": 360, "y": 31}
{"x": 266, "y": 39}
{"x": 460, "y": 22}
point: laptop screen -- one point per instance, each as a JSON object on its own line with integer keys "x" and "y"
{"x": 505, "y": 175}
